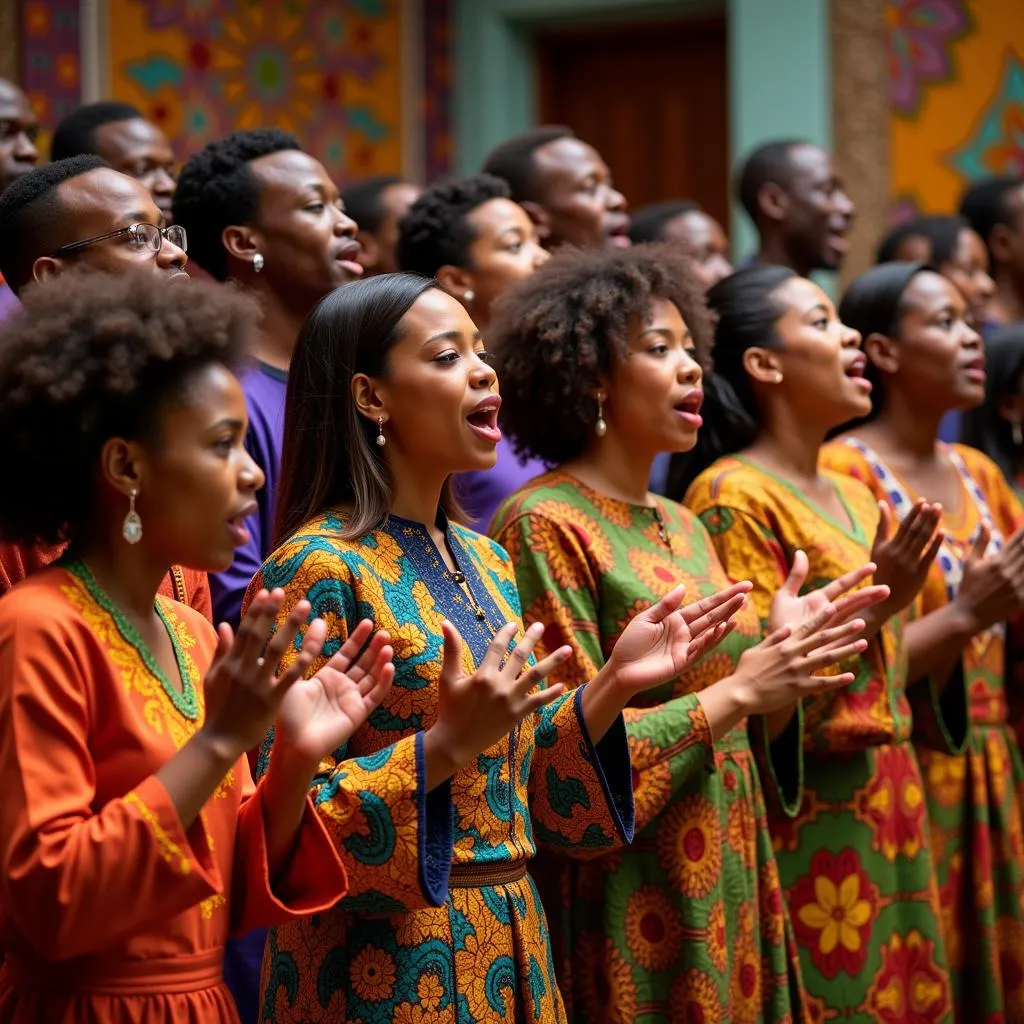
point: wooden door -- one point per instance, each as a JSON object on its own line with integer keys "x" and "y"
{"x": 652, "y": 98}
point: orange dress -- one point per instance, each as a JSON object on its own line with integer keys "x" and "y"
{"x": 111, "y": 911}
{"x": 190, "y": 586}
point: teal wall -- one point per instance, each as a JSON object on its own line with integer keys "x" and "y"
{"x": 779, "y": 69}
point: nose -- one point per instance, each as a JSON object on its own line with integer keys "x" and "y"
{"x": 851, "y": 338}
{"x": 25, "y": 148}
{"x": 844, "y": 204}
{"x": 616, "y": 200}
{"x": 540, "y": 255}
{"x": 250, "y": 476}
{"x": 482, "y": 376}
{"x": 985, "y": 285}
{"x": 163, "y": 184}
{"x": 688, "y": 370}
{"x": 171, "y": 256}
{"x": 971, "y": 339}
{"x": 344, "y": 225}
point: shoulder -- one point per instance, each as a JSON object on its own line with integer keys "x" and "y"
{"x": 980, "y": 466}
{"x": 843, "y": 457}
{"x": 535, "y": 499}
{"x": 50, "y": 606}
{"x": 487, "y": 550}
{"x": 728, "y": 482}
{"x": 314, "y": 553}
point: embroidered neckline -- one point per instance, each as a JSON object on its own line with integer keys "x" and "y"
{"x": 184, "y": 701}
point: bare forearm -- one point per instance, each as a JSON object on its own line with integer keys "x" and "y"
{"x": 285, "y": 789}
{"x": 934, "y": 644}
{"x": 192, "y": 775}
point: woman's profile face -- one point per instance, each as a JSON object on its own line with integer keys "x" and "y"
{"x": 439, "y": 393}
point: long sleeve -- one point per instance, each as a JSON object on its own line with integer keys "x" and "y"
{"x": 393, "y": 837}
{"x": 77, "y": 878}
{"x": 669, "y": 742}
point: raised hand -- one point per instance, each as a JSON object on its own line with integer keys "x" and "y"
{"x": 317, "y": 715}
{"x": 789, "y": 608}
{"x": 992, "y": 588}
{"x": 903, "y": 560}
{"x": 475, "y": 711}
{"x": 663, "y": 641}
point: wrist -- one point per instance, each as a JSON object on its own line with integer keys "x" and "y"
{"x": 218, "y": 748}
{"x": 962, "y": 619}
{"x": 727, "y": 702}
{"x": 443, "y": 756}
{"x": 289, "y": 764}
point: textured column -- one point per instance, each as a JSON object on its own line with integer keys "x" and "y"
{"x": 10, "y": 39}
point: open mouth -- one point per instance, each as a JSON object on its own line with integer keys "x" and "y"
{"x": 618, "y": 234}
{"x": 975, "y": 371}
{"x": 348, "y": 257}
{"x": 237, "y": 528}
{"x": 484, "y": 419}
{"x": 856, "y": 370}
{"x": 689, "y": 408}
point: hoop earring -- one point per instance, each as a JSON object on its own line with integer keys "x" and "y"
{"x": 131, "y": 528}
{"x": 600, "y": 427}
{"x": 1017, "y": 432}
{"x": 381, "y": 439}
{"x": 257, "y": 262}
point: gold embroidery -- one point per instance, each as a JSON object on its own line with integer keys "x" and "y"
{"x": 166, "y": 846}
{"x": 210, "y": 904}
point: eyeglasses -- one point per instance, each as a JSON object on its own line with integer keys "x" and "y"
{"x": 141, "y": 236}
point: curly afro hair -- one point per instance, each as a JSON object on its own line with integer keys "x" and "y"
{"x": 435, "y": 232}
{"x": 217, "y": 188}
{"x": 559, "y": 331}
{"x": 93, "y": 356}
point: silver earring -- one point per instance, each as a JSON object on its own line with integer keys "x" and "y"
{"x": 131, "y": 528}
{"x": 1018, "y": 433}
{"x": 469, "y": 297}
{"x": 257, "y": 262}
{"x": 600, "y": 427}
{"x": 381, "y": 439}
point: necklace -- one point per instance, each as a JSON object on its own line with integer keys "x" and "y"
{"x": 184, "y": 700}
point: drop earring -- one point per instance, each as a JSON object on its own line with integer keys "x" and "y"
{"x": 131, "y": 528}
{"x": 381, "y": 439}
{"x": 257, "y": 262}
{"x": 1017, "y": 432}
{"x": 600, "y": 427}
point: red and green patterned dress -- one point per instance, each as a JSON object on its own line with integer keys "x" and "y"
{"x": 847, "y": 806}
{"x": 687, "y": 924}
{"x": 974, "y": 797}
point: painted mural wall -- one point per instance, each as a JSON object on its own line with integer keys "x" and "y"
{"x": 956, "y": 92}
{"x": 328, "y": 70}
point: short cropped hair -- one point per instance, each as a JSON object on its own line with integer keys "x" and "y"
{"x": 76, "y": 134}
{"x": 513, "y": 159}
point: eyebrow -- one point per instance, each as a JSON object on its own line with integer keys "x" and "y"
{"x": 818, "y": 306}
{"x": 451, "y": 336}
{"x": 136, "y": 217}
{"x": 228, "y": 422}
{"x": 666, "y": 332}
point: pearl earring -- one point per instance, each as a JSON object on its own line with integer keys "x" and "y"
{"x": 600, "y": 427}
{"x": 469, "y": 297}
{"x": 778, "y": 378}
{"x": 257, "y": 262}
{"x": 131, "y": 528}
{"x": 381, "y": 439}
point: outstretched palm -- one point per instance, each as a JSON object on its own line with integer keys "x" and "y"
{"x": 662, "y": 642}
{"x": 318, "y": 714}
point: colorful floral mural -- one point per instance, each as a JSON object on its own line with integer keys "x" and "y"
{"x": 956, "y": 92}
{"x": 51, "y": 59}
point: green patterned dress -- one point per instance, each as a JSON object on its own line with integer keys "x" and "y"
{"x": 688, "y": 923}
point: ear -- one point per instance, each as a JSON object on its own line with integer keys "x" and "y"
{"x": 47, "y": 267}
{"x": 457, "y": 281}
{"x": 763, "y": 365}
{"x": 883, "y": 352}
{"x": 369, "y": 400}
{"x": 540, "y": 217}
{"x": 241, "y": 242}
{"x": 773, "y": 201}
{"x": 123, "y": 465}
{"x": 370, "y": 256}
{"x": 1000, "y": 241}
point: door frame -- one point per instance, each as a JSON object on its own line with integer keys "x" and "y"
{"x": 780, "y": 77}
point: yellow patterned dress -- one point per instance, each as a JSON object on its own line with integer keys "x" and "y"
{"x": 847, "y": 806}
{"x": 688, "y": 923}
{"x": 974, "y": 797}
{"x": 458, "y": 935}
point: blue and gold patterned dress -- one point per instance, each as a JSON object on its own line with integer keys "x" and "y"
{"x": 460, "y": 935}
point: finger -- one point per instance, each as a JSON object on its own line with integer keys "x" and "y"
{"x": 885, "y": 517}
{"x": 776, "y": 638}
{"x": 666, "y": 606}
{"x": 451, "y": 663}
{"x": 522, "y": 651}
{"x": 497, "y": 649}
{"x": 534, "y": 675}
{"x": 824, "y": 637}
{"x": 835, "y": 655}
{"x": 368, "y": 652}
{"x": 225, "y": 637}
{"x": 381, "y": 686}
{"x": 697, "y": 610}
{"x": 254, "y": 629}
{"x": 312, "y": 644}
{"x": 722, "y": 613}
{"x": 354, "y": 643}
{"x": 285, "y": 636}
{"x": 856, "y": 602}
{"x": 924, "y": 530}
{"x": 797, "y": 575}
{"x": 816, "y": 622}
{"x": 709, "y": 640}
{"x": 847, "y": 581}
{"x": 822, "y": 684}
{"x": 537, "y": 700}
{"x": 984, "y": 535}
{"x": 370, "y": 678}
{"x": 932, "y": 550}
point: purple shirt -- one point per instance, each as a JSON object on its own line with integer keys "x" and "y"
{"x": 264, "y": 388}
{"x": 8, "y": 301}
{"x": 482, "y": 491}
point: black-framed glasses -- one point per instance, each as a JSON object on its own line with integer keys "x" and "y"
{"x": 142, "y": 236}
